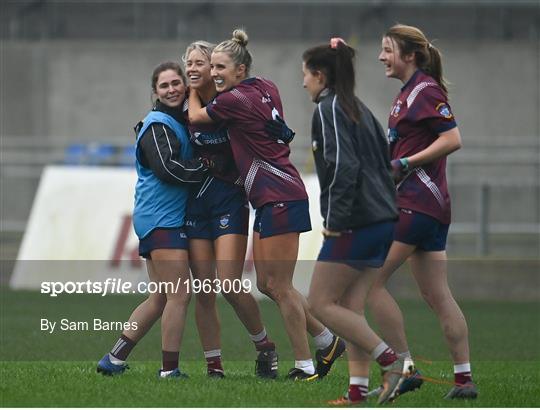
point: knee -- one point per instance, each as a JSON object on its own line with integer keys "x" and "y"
{"x": 313, "y": 306}
{"x": 232, "y": 298}
{"x": 206, "y": 300}
{"x": 186, "y": 298}
{"x": 348, "y": 303}
{"x": 376, "y": 294}
{"x": 435, "y": 300}
{"x": 442, "y": 303}
{"x": 274, "y": 290}
{"x": 157, "y": 301}
{"x": 182, "y": 299}
{"x": 428, "y": 298}
{"x": 379, "y": 282}
{"x": 264, "y": 287}
{"x": 317, "y": 306}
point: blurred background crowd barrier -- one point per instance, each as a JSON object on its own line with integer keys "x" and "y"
{"x": 75, "y": 79}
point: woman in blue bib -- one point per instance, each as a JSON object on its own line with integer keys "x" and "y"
{"x": 165, "y": 165}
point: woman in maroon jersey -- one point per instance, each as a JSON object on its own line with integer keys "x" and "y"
{"x": 217, "y": 218}
{"x": 422, "y": 132}
{"x": 275, "y": 190}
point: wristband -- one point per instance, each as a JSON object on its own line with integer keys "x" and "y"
{"x": 404, "y": 163}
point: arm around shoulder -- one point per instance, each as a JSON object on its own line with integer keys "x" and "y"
{"x": 161, "y": 151}
{"x": 197, "y": 114}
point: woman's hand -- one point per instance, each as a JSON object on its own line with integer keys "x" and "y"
{"x": 400, "y": 168}
{"x": 196, "y": 112}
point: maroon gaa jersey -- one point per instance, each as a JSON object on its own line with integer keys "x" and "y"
{"x": 212, "y": 139}
{"x": 419, "y": 114}
{"x": 264, "y": 165}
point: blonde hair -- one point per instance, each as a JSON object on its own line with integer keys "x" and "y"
{"x": 426, "y": 56}
{"x": 204, "y": 47}
{"x": 236, "y": 49}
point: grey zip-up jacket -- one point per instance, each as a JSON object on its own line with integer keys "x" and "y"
{"x": 353, "y": 166}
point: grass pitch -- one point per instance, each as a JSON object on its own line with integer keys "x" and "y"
{"x": 58, "y": 369}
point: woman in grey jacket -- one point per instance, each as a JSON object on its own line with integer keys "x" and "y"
{"x": 358, "y": 208}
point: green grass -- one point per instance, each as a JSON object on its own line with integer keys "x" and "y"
{"x": 75, "y": 384}
{"x": 40, "y": 369}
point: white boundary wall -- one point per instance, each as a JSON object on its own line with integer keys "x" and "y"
{"x": 80, "y": 229}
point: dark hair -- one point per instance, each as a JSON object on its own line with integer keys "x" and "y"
{"x": 427, "y": 57}
{"x": 167, "y": 65}
{"x": 337, "y": 64}
{"x": 236, "y": 49}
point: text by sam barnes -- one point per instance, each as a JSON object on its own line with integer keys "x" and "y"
{"x": 96, "y": 324}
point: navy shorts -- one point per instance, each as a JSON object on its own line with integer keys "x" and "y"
{"x": 163, "y": 238}
{"x": 425, "y": 232}
{"x": 216, "y": 208}
{"x": 359, "y": 248}
{"x": 277, "y": 218}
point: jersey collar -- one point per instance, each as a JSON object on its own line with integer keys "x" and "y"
{"x": 176, "y": 113}
{"x": 412, "y": 79}
{"x": 324, "y": 92}
{"x": 249, "y": 80}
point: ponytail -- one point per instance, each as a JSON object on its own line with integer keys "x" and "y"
{"x": 434, "y": 67}
{"x": 336, "y": 62}
{"x": 345, "y": 81}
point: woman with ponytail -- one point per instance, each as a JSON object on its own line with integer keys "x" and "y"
{"x": 244, "y": 105}
{"x": 358, "y": 208}
{"x": 217, "y": 218}
{"x": 422, "y": 132}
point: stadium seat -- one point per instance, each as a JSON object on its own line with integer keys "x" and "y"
{"x": 101, "y": 154}
{"x": 75, "y": 154}
{"x": 90, "y": 154}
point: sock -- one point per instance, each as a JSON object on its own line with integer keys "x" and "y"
{"x": 358, "y": 388}
{"x": 404, "y": 355}
{"x": 121, "y": 349}
{"x": 383, "y": 355}
{"x": 324, "y": 339}
{"x": 259, "y": 337}
{"x": 262, "y": 342}
{"x": 213, "y": 360}
{"x": 170, "y": 360}
{"x": 462, "y": 373}
{"x": 305, "y": 365}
